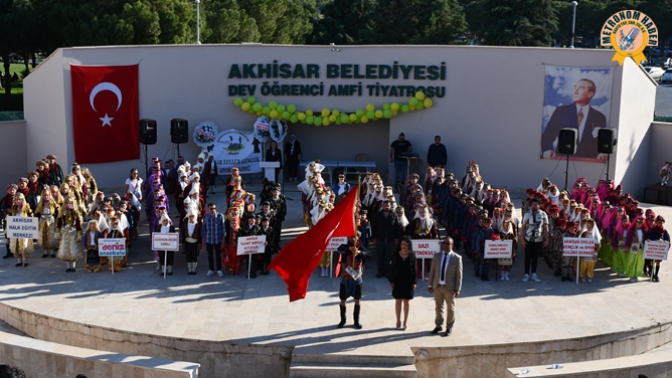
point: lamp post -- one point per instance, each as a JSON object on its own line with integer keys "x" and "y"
{"x": 198, "y": 22}
{"x": 574, "y": 4}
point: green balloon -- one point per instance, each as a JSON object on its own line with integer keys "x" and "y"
{"x": 294, "y": 118}
{"x": 338, "y": 121}
{"x": 371, "y": 115}
{"x": 386, "y": 106}
{"x": 413, "y": 101}
{"x": 291, "y": 108}
{"x": 344, "y": 118}
{"x": 280, "y": 108}
{"x": 419, "y": 106}
{"x": 387, "y": 113}
{"x": 257, "y": 107}
{"x": 251, "y": 100}
{"x": 266, "y": 110}
{"x": 272, "y": 104}
{"x": 404, "y": 108}
{"x": 359, "y": 113}
{"x": 318, "y": 121}
{"x": 310, "y": 119}
{"x": 286, "y": 115}
{"x": 238, "y": 101}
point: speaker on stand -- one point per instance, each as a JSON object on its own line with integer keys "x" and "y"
{"x": 606, "y": 140}
{"x": 179, "y": 132}
{"x": 567, "y": 145}
{"x": 147, "y": 131}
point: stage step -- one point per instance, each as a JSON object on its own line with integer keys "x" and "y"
{"x": 345, "y": 365}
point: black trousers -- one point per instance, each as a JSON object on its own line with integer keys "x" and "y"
{"x": 170, "y": 256}
{"x": 191, "y": 250}
{"x": 532, "y": 252}
{"x": 215, "y": 252}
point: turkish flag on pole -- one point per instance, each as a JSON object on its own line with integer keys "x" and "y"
{"x": 105, "y": 113}
{"x": 296, "y": 262}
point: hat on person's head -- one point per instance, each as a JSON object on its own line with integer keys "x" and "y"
{"x": 265, "y": 203}
{"x": 264, "y": 219}
{"x": 401, "y": 134}
{"x": 12, "y": 186}
{"x": 51, "y": 156}
{"x": 23, "y": 179}
{"x": 660, "y": 218}
{"x": 164, "y": 217}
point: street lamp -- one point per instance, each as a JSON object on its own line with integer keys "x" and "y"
{"x": 574, "y": 4}
{"x": 198, "y": 22}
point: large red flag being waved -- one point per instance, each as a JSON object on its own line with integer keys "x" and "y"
{"x": 296, "y": 262}
{"x": 105, "y": 113}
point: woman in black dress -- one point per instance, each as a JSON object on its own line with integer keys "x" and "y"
{"x": 402, "y": 279}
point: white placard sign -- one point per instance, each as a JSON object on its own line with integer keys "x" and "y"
{"x": 336, "y": 242}
{"x": 656, "y": 249}
{"x": 498, "y": 249}
{"x": 581, "y": 247}
{"x": 249, "y": 245}
{"x": 112, "y": 247}
{"x": 425, "y": 248}
{"x": 22, "y": 227}
{"x": 166, "y": 241}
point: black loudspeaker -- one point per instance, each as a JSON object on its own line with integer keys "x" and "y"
{"x": 147, "y": 131}
{"x": 567, "y": 141}
{"x": 179, "y": 131}
{"x": 606, "y": 141}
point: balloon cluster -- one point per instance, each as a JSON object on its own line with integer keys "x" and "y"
{"x": 327, "y": 116}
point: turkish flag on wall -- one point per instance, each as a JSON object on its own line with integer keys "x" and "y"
{"x": 105, "y": 113}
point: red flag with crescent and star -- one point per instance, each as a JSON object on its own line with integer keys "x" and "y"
{"x": 105, "y": 113}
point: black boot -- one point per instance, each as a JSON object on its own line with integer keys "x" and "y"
{"x": 9, "y": 254}
{"x": 647, "y": 268}
{"x": 655, "y": 275}
{"x": 342, "y": 323}
{"x": 355, "y": 315}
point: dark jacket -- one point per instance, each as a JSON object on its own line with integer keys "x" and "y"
{"x": 386, "y": 228}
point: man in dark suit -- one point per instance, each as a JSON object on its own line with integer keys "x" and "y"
{"x": 579, "y": 115}
{"x": 445, "y": 282}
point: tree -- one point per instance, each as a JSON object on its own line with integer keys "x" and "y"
{"x": 418, "y": 22}
{"x": 344, "y": 22}
{"x": 518, "y": 22}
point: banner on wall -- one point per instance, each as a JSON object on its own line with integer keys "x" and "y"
{"x": 578, "y": 98}
{"x": 231, "y": 148}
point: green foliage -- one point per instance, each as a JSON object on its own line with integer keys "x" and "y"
{"x": 517, "y": 22}
{"x": 345, "y": 22}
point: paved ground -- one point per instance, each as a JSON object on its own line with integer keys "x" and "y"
{"x": 258, "y": 310}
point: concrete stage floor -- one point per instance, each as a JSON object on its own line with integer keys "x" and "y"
{"x": 258, "y": 311}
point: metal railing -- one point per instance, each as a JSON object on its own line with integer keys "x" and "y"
{"x": 11, "y": 116}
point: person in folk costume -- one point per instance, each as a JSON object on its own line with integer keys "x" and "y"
{"x": 269, "y": 249}
{"x": 154, "y": 223}
{"x": 90, "y": 237}
{"x": 43, "y": 173}
{"x": 192, "y": 240}
{"x": 235, "y": 191}
{"x": 166, "y": 258}
{"x": 55, "y": 171}
{"x": 587, "y": 264}
{"x": 351, "y": 269}
{"x": 436, "y": 185}
{"x": 249, "y": 205}
{"x": 197, "y": 202}
{"x": 179, "y": 193}
{"x": 171, "y": 176}
{"x": 364, "y": 229}
{"x": 232, "y": 226}
{"x": 553, "y": 213}
{"x": 48, "y": 212}
{"x": 91, "y": 185}
{"x": 614, "y": 219}
{"x": 405, "y": 196}
{"x": 657, "y": 232}
{"x": 278, "y": 203}
{"x": 568, "y": 268}
{"x": 21, "y": 247}
{"x": 80, "y": 183}
{"x": 127, "y": 219}
{"x": 249, "y": 228}
{"x": 233, "y": 182}
{"x": 482, "y": 266}
{"x": 76, "y": 191}
{"x": 6, "y": 207}
{"x": 430, "y": 177}
{"x": 323, "y": 208}
{"x": 34, "y": 190}
{"x": 116, "y": 232}
{"x": 634, "y": 248}
{"x": 195, "y": 181}
{"x": 69, "y": 233}
{"x": 23, "y": 189}
{"x": 508, "y": 231}
{"x": 544, "y": 186}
